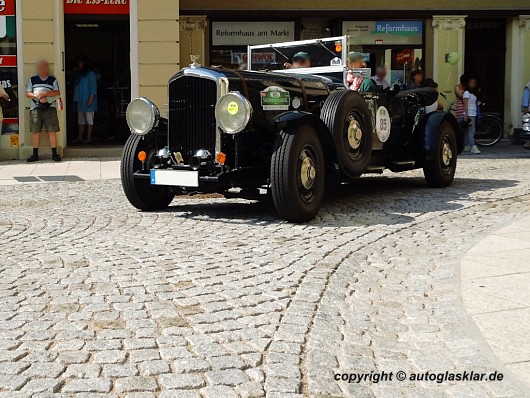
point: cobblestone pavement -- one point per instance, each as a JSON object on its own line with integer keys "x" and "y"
{"x": 219, "y": 298}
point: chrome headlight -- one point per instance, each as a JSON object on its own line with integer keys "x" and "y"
{"x": 142, "y": 116}
{"x": 526, "y": 127}
{"x": 526, "y": 118}
{"x": 233, "y": 112}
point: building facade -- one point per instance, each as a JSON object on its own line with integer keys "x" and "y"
{"x": 136, "y": 45}
{"x": 490, "y": 40}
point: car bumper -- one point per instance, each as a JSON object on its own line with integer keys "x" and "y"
{"x": 177, "y": 178}
{"x": 212, "y": 178}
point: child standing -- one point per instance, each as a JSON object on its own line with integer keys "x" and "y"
{"x": 470, "y": 115}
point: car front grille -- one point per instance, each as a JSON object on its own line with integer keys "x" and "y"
{"x": 192, "y": 115}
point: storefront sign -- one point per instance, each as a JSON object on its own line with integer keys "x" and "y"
{"x": 8, "y": 68}
{"x": 101, "y": 7}
{"x": 257, "y": 58}
{"x": 384, "y": 32}
{"x": 251, "y": 33}
{"x": 7, "y": 7}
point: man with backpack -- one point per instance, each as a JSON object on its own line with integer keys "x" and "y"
{"x": 43, "y": 90}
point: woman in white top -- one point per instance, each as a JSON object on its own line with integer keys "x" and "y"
{"x": 470, "y": 116}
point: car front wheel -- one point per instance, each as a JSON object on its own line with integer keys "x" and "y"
{"x": 139, "y": 191}
{"x": 297, "y": 174}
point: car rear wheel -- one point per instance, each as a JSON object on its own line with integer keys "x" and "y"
{"x": 347, "y": 117}
{"x": 139, "y": 191}
{"x": 440, "y": 170}
{"x": 298, "y": 174}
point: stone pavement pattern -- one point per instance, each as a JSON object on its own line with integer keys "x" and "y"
{"x": 218, "y": 298}
{"x": 495, "y": 291}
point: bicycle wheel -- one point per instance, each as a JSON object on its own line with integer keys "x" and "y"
{"x": 489, "y": 131}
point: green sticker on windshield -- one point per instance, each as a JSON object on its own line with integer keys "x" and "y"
{"x": 275, "y": 98}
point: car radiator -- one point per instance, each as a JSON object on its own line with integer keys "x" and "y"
{"x": 192, "y": 123}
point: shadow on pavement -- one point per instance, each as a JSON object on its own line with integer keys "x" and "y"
{"x": 367, "y": 201}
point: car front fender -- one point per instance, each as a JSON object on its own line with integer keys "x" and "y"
{"x": 289, "y": 122}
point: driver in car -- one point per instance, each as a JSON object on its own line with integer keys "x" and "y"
{"x": 358, "y": 83}
{"x": 300, "y": 60}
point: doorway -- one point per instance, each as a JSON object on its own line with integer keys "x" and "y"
{"x": 105, "y": 41}
{"x": 485, "y": 59}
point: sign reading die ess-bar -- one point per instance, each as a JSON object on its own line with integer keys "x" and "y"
{"x": 101, "y": 7}
{"x": 7, "y": 7}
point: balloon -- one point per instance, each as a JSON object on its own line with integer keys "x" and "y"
{"x": 453, "y": 58}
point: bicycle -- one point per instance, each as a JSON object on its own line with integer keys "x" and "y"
{"x": 489, "y": 129}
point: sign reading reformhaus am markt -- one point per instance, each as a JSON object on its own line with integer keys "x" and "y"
{"x": 251, "y": 33}
{"x": 384, "y": 32}
{"x": 101, "y": 7}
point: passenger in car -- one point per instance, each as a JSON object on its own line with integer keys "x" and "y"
{"x": 417, "y": 79}
{"x": 300, "y": 60}
{"x": 358, "y": 83}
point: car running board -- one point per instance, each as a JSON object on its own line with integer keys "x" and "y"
{"x": 402, "y": 165}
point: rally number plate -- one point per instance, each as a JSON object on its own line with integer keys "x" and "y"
{"x": 178, "y": 178}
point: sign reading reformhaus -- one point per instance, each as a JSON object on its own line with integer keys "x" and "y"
{"x": 384, "y": 32}
{"x": 110, "y": 7}
{"x": 251, "y": 33}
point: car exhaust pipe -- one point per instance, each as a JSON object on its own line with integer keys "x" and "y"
{"x": 203, "y": 157}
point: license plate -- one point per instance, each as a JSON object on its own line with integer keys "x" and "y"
{"x": 178, "y": 178}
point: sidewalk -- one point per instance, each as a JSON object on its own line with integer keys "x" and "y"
{"x": 12, "y": 173}
{"x": 495, "y": 291}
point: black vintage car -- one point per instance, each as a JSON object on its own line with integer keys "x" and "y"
{"x": 284, "y": 133}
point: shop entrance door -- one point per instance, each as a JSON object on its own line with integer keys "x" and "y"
{"x": 105, "y": 41}
{"x": 485, "y": 59}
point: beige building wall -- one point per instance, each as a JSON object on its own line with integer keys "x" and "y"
{"x": 157, "y": 48}
{"x": 155, "y": 57}
{"x": 40, "y": 37}
{"x": 349, "y": 4}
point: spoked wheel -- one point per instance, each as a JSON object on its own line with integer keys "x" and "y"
{"x": 297, "y": 174}
{"x": 139, "y": 191}
{"x": 440, "y": 170}
{"x": 347, "y": 117}
{"x": 489, "y": 131}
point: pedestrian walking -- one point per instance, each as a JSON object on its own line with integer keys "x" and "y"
{"x": 85, "y": 98}
{"x": 43, "y": 90}
{"x": 525, "y": 103}
{"x": 470, "y": 115}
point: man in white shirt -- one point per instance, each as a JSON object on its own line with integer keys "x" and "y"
{"x": 379, "y": 78}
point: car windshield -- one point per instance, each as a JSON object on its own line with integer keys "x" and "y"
{"x": 301, "y": 54}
